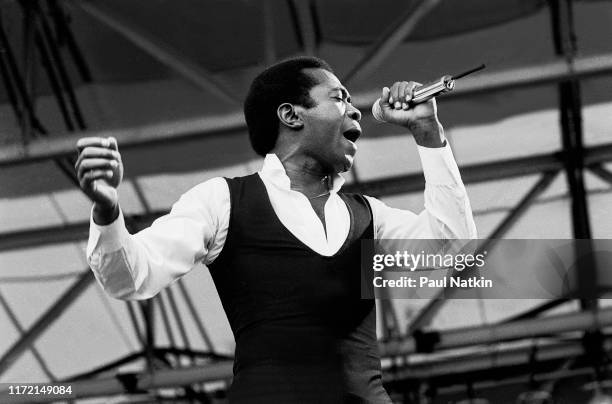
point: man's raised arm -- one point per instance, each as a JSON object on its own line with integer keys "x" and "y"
{"x": 138, "y": 266}
{"x": 447, "y": 214}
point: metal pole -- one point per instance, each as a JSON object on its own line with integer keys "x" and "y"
{"x": 177, "y": 317}
{"x": 571, "y": 118}
{"x": 570, "y": 107}
{"x": 8, "y": 84}
{"x": 29, "y": 27}
{"x": 64, "y": 79}
{"x": 146, "y": 306}
{"x": 134, "y": 321}
{"x": 65, "y": 34}
{"x": 14, "y": 71}
{"x": 166, "y": 320}
{"x": 303, "y": 19}
{"x": 268, "y": 43}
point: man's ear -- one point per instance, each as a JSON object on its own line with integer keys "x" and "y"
{"x": 288, "y": 116}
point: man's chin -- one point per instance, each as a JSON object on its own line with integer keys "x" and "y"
{"x": 348, "y": 163}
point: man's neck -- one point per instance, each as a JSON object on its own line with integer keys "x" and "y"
{"x": 306, "y": 176}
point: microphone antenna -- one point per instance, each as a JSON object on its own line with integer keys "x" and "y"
{"x": 468, "y": 72}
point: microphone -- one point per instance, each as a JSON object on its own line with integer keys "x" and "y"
{"x": 427, "y": 91}
{"x": 421, "y": 94}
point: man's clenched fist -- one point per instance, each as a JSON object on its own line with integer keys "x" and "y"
{"x": 100, "y": 170}
{"x": 420, "y": 119}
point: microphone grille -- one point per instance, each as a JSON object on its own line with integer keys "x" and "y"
{"x": 377, "y": 111}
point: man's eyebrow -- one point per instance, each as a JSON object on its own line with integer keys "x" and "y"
{"x": 343, "y": 90}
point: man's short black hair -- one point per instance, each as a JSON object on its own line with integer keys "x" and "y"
{"x": 283, "y": 82}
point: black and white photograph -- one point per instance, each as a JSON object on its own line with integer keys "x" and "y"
{"x": 306, "y": 201}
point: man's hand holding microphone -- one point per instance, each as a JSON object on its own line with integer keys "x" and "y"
{"x": 396, "y": 106}
{"x": 413, "y": 106}
{"x": 100, "y": 171}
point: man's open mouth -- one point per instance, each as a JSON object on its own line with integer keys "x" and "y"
{"x": 352, "y": 134}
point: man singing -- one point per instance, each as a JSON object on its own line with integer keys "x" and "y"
{"x": 283, "y": 244}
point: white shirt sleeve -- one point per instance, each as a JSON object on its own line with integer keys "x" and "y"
{"x": 138, "y": 266}
{"x": 447, "y": 214}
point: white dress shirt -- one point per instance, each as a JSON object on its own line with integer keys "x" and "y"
{"x": 138, "y": 266}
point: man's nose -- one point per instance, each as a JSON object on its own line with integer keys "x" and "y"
{"x": 354, "y": 113}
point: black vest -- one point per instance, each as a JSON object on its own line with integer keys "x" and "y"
{"x": 303, "y": 333}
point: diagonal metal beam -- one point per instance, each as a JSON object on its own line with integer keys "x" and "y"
{"x": 17, "y": 324}
{"x": 45, "y": 320}
{"x": 164, "y": 54}
{"x": 29, "y": 67}
{"x": 165, "y": 318}
{"x": 536, "y": 311}
{"x": 65, "y": 36}
{"x": 129, "y": 304}
{"x": 523, "y": 205}
{"x": 55, "y": 65}
{"x": 601, "y": 172}
{"x": 178, "y": 318}
{"x": 382, "y": 47}
{"x": 305, "y": 24}
{"x": 223, "y": 124}
{"x": 269, "y": 42}
{"x": 428, "y": 312}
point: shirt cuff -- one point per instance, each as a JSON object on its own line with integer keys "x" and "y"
{"x": 107, "y": 238}
{"x": 439, "y": 166}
